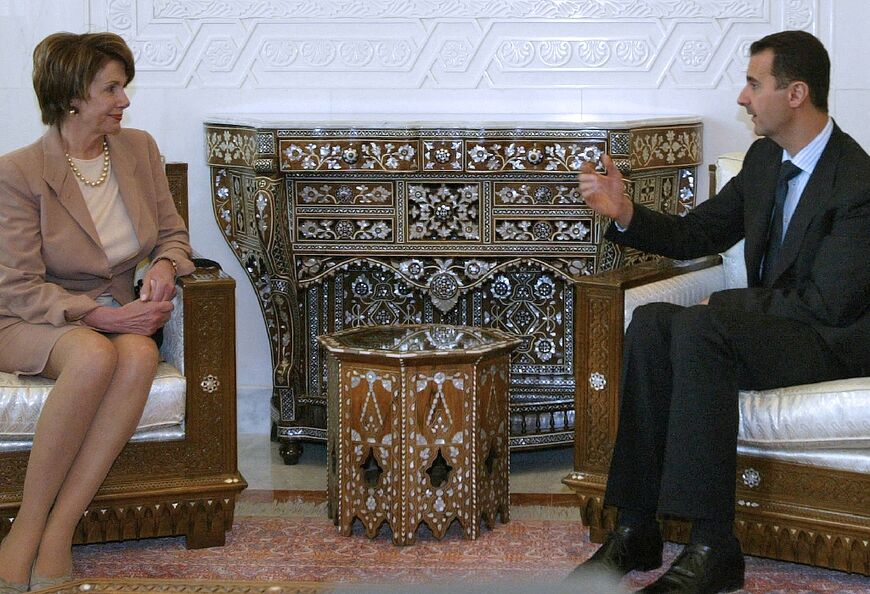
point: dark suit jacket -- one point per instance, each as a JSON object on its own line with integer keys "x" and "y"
{"x": 822, "y": 277}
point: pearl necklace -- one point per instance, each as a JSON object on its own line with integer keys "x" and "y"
{"x": 103, "y": 175}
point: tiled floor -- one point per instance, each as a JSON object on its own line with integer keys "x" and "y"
{"x": 259, "y": 462}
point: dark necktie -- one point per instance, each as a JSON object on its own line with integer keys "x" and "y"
{"x": 774, "y": 238}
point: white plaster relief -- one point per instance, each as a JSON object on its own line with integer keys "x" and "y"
{"x": 554, "y": 53}
{"x": 695, "y": 53}
{"x": 593, "y": 53}
{"x": 564, "y": 53}
{"x": 455, "y": 54}
{"x": 473, "y": 9}
{"x": 219, "y": 54}
{"x": 799, "y": 14}
{"x": 160, "y": 54}
{"x": 406, "y": 44}
{"x": 120, "y": 15}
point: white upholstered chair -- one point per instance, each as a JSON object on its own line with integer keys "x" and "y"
{"x": 803, "y": 469}
{"x": 179, "y": 474}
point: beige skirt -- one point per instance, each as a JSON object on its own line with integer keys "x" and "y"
{"x": 25, "y": 347}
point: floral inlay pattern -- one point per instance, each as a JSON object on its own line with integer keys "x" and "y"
{"x": 665, "y": 147}
{"x": 531, "y": 306}
{"x": 375, "y": 155}
{"x": 440, "y": 155}
{"x": 344, "y": 193}
{"x": 444, "y": 212}
{"x": 527, "y": 194}
{"x": 226, "y": 147}
{"x": 542, "y": 230}
{"x": 210, "y": 384}
{"x": 345, "y": 230}
{"x": 518, "y": 156}
{"x": 374, "y": 297}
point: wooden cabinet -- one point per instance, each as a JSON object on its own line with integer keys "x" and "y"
{"x": 341, "y": 224}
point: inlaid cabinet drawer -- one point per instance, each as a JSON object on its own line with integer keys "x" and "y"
{"x": 366, "y": 229}
{"x": 349, "y": 155}
{"x": 328, "y": 192}
{"x": 576, "y": 228}
{"x": 537, "y": 193}
{"x": 533, "y": 156}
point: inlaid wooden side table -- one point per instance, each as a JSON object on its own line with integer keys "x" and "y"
{"x": 418, "y": 428}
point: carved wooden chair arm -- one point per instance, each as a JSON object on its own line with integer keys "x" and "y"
{"x": 600, "y": 308}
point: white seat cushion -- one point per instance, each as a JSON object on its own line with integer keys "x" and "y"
{"x": 734, "y": 267}
{"x": 826, "y": 415}
{"x": 727, "y": 166}
{"x": 22, "y": 399}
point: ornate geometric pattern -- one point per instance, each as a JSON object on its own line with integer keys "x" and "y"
{"x": 444, "y": 212}
{"x": 351, "y": 155}
{"x": 492, "y": 234}
{"x": 392, "y": 44}
{"x": 328, "y": 192}
{"x": 548, "y": 9}
{"x": 538, "y": 230}
{"x": 344, "y": 230}
{"x": 442, "y": 155}
{"x": 519, "y": 156}
{"x": 416, "y": 443}
{"x": 533, "y": 306}
{"x": 540, "y": 193}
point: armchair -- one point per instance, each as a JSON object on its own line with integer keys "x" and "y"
{"x": 178, "y": 474}
{"x": 803, "y": 465}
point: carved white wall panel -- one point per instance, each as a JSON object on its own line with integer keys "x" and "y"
{"x": 473, "y": 9}
{"x": 411, "y": 44}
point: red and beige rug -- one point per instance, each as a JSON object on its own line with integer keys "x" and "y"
{"x": 305, "y": 554}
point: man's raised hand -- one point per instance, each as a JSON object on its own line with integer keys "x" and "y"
{"x": 605, "y": 193}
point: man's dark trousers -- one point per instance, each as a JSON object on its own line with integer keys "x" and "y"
{"x": 676, "y": 446}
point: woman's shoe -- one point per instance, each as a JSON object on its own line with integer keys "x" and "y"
{"x": 38, "y": 583}
{"x": 10, "y": 588}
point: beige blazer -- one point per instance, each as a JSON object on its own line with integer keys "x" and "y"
{"x": 52, "y": 265}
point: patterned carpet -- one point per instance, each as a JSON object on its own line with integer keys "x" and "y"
{"x": 305, "y": 554}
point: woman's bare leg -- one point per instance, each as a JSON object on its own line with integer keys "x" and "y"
{"x": 111, "y": 428}
{"x": 83, "y": 364}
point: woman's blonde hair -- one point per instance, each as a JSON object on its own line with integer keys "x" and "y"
{"x": 65, "y": 65}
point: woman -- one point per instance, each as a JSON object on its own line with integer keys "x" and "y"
{"x": 80, "y": 208}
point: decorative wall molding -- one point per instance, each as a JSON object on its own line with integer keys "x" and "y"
{"x": 468, "y": 9}
{"x": 445, "y": 44}
{"x": 411, "y": 44}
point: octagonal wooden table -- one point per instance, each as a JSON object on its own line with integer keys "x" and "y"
{"x": 418, "y": 428}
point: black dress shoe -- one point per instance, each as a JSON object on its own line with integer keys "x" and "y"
{"x": 624, "y": 550}
{"x": 702, "y": 570}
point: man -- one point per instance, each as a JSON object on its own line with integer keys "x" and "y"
{"x": 804, "y": 317}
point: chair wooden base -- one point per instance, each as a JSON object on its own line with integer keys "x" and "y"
{"x": 203, "y": 522}
{"x": 788, "y": 511}
{"x": 769, "y": 523}
{"x": 184, "y": 487}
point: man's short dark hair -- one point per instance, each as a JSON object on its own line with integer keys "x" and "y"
{"x": 798, "y": 55}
